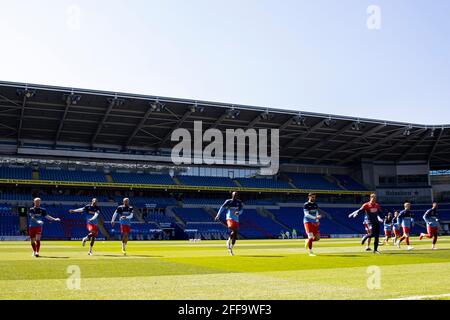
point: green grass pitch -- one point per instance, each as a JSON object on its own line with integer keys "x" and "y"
{"x": 266, "y": 269}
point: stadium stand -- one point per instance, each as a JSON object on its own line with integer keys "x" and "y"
{"x": 158, "y": 202}
{"x": 255, "y": 226}
{"x": 207, "y": 230}
{"x": 69, "y": 175}
{"x": 204, "y": 201}
{"x": 9, "y": 222}
{"x": 193, "y": 215}
{"x": 259, "y": 202}
{"x": 349, "y": 183}
{"x": 312, "y": 181}
{"x": 142, "y": 178}
{"x": 159, "y": 218}
{"x": 264, "y": 183}
{"x": 206, "y": 181}
{"x": 22, "y": 173}
{"x": 50, "y": 198}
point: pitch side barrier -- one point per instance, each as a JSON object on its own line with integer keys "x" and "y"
{"x": 173, "y": 187}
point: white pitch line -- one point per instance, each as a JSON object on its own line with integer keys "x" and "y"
{"x": 424, "y": 297}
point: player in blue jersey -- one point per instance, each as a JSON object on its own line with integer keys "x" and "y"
{"x": 388, "y": 227}
{"x": 233, "y": 208}
{"x": 36, "y": 222}
{"x": 125, "y": 213}
{"x": 92, "y": 212}
{"x": 432, "y": 221}
{"x": 311, "y": 221}
{"x": 406, "y": 220}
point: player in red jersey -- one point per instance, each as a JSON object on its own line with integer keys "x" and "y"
{"x": 372, "y": 210}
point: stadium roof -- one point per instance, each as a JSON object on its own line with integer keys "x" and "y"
{"x": 87, "y": 118}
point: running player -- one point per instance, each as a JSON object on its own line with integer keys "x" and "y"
{"x": 125, "y": 212}
{"x": 372, "y": 210}
{"x": 311, "y": 221}
{"x": 406, "y": 220}
{"x": 37, "y": 215}
{"x": 432, "y": 220}
{"x": 396, "y": 227}
{"x": 388, "y": 227}
{"x": 234, "y": 208}
{"x": 92, "y": 211}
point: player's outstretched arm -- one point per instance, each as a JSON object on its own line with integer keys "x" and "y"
{"x": 354, "y": 214}
{"x": 50, "y": 218}
{"x": 80, "y": 210}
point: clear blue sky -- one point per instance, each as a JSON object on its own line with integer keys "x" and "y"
{"x": 312, "y": 55}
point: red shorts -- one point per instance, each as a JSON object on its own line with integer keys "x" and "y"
{"x": 432, "y": 231}
{"x": 397, "y": 232}
{"x": 311, "y": 227}
{"x": 92, "y": 228}
{"x": 233, "y": 224}
{"x": 406, "y": 230}
{"x": 124, "y": 228}
{"x": 34, "y": 231}
{"x": 387, "y": 233}
{"x": 367, "y": 227}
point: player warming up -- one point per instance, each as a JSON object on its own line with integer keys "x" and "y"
{"x": 396, "y": 227}
{"x": 311, "y": 221}
{"x": 432, "y": 220}
{"x": 37, "y": 214}
{"x": 388, "y": 227}
{"x": 372, "y": 210}
{"x": 406, "y": 221}
{"x": 91, "y": 211}
{"x": 125, "y": 213}
{"x": 234, "y": 208}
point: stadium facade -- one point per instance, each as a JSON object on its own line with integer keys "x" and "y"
{"x": 67, "y": 145}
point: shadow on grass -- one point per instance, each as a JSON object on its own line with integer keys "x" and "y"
{"x": 344, "y": 255}
{"x": 263, "y": 256}
{"x": 405, "y": 252}
{"x": 47, "y": 257}
{"x": 128, "y": 256}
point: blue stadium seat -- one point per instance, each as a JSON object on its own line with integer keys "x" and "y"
{"x": 159, "y": 202}
{"x": 255, "y": 226}
{"x": 69, "y": 175}
{"x": 159, "y": 218}
{"x": 349, "y": 183}
{"x": 206, "y": 181}
{"x": 264, "y": 183}
{"x": 193, "y": 215}
{"x": 142, "y": 178}
{"x": 9, "y": 222}
{"x": 312, "y": 181}
{"x": 16, "y": 173}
